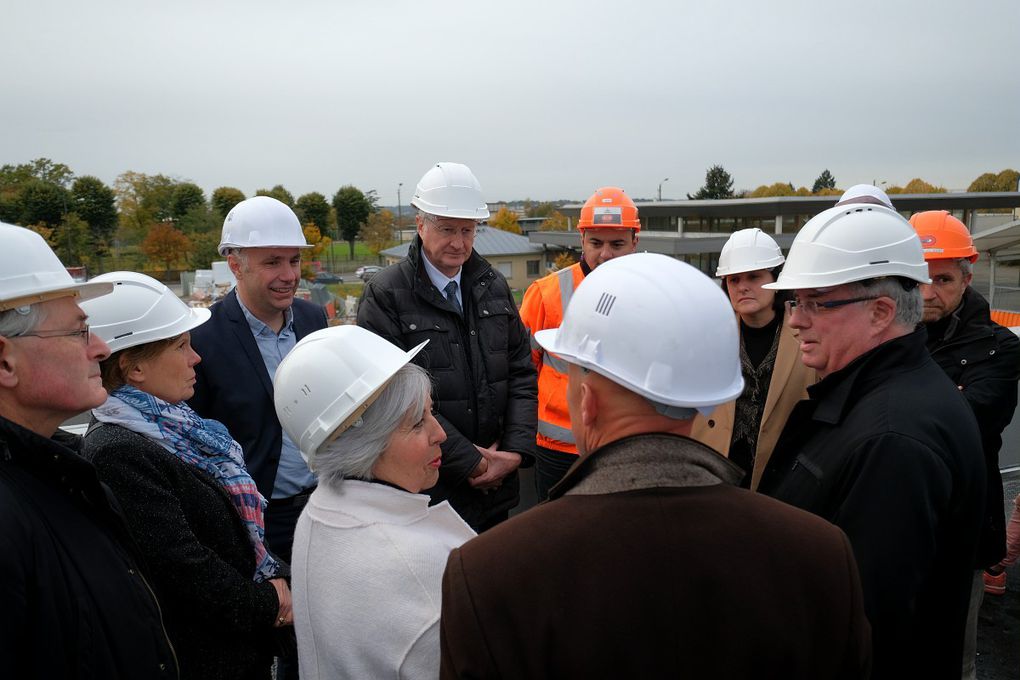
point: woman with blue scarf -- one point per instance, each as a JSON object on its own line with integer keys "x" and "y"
{"x": 190, "y": 503}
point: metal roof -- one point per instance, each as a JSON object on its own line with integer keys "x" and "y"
{"x": 812, "y": 205}
{"x": 489, "y": 242}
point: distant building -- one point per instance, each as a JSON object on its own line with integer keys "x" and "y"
{"x": 514, "y": 256}
{"x": 695, "y": 231}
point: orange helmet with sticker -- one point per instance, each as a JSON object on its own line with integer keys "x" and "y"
{"x": 609, "y": 208}
{"x": 943, "y": 237}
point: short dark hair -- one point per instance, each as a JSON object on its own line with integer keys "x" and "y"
{"x": 114, "y": 369}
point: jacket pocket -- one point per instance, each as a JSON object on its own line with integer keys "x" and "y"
{"x": 493, "y": 323}
{"x": 417, "y": 328}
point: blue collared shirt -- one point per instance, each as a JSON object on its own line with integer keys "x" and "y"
{"x": 440, "y": 280}
{"x": 292, "y": 475}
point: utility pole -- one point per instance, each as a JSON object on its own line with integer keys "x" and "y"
{"x": 400, "y": 215}
{"x": 660, "y": 188}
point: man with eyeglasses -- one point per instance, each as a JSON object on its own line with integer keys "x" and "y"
{"x": 885, "y": 447}
{"x": 983, "y": 360}
{"x": 75, "y": 601}
{"x": 478, "y": 352}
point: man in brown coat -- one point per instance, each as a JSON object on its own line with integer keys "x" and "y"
{"x": 647, "y": 561}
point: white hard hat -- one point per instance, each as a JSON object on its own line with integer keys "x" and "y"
{"x": 328, "y": 380}
{"x": 139, "y": 311}
{"x": 865, "y": 193}
{"x": 450, "y": 190}
{"x": 658, "y": 327}
{"x": 30, "y": 271}
{"x": 852, "y": 243}
{"x": 748, "y": 250}
{"x": 261, "y": 222}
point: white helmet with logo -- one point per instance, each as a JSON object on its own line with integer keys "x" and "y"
{"x": 139, "y": 311}
{"x": 656, "y": 326}
{"x": 450, "y": 190}
{"x": 316, "y": 404}
{"x": 261, "y": 222}
{"x": 748, "y": 250}
{"x": 30, "y": 272}
{"x": 852, "y": 243}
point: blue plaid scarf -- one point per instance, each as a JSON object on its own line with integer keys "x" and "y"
{"x": 207, "y": 445}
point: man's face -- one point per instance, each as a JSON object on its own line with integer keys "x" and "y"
{"x": 831, "y": 338}
{"x": 602, "y": 245}
{"x": 57, "y": 376}
{"x": 446, "y": 241}
{"x": 945, "y": 292}
{"x": 267, "y": 278}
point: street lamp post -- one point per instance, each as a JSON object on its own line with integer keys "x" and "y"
{"x": 400, "y": 215}
{"x": 660, "y": 188}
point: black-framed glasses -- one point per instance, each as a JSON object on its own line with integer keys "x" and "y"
{"x": 85, "y": 333}
{"x": 811, "y": 307}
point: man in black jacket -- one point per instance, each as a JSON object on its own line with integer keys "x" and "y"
{"x": 478, "y": 354}
{"x": 75, "y": 601}
{"x": 983, "y": 359}
{"x": 885, "y": 447}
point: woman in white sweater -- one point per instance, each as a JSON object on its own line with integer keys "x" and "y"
{"x": 369, "y": 552}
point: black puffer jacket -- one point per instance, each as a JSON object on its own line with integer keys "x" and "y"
{"x": 888, "y": 450}
{"x": 220, "y": 620}
{"x": 486, "y": 389}
{"x": 983, "y": 359}
{"x": 75, "y": 601}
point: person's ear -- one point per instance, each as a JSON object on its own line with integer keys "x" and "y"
{"x": 8, "y": 363}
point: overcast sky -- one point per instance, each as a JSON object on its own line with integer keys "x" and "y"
{"x": 543, "y": 99}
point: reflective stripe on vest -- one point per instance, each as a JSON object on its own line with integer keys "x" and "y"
{"x": 556, "y": 432}
{"x": 566, "y": 279}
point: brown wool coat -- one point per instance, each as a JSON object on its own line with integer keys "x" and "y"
{"x": 789, "y": 383}
{"x": 648, "y": 563}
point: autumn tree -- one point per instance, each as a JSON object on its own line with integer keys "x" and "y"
{"x": 556, "y": 221}
{"x": 506, "y": 220}
{"x": 319, "y": 243}
{"x": 313, "y": 208}
{"x": 916, "y": 186}
{"x": 377, "y": 234}
{"x": 770, "y": 190}
{"x": 352, "y": 211}
{"x": 1004, "y": 181}
{"x": 166, "y": 244}
{"x": 204, "y": 249}
{"x": 824, "y": 181}
{"x": 73, "y": 241}
{"x": 279, "y": 193}
{"x": 564, "y": 260}
{"x": 718, "y": 184}
{"x": 224, "y": 199}
{"x": 142, "y": 200}
{"x": 543, "y": 209}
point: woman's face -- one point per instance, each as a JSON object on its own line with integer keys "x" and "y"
{"x": 170, "y": 375}
{"x": 412, "y": 457}
{"x": 749, "y": 299}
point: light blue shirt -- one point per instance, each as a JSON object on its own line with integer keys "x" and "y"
{"x": 440, "y": 280}
{"x": 292, "y": 475}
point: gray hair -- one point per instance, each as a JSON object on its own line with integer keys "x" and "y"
{"x": 354, "y": 453}
{"x": 966, "y": 266}
{"x": 14, "y": 322}
{"x": 904, "y": 292}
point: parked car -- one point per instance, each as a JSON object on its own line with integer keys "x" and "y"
{"x": 368, "y": 271}
{"x": 328, "y": 277}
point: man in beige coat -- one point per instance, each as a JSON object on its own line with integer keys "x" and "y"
{"x": 647, "y": 561}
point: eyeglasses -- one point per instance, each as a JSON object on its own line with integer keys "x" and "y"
{"x": 449, "y": 231}
{"x": 83, "y": 333}
{"x": 811, "y": 307}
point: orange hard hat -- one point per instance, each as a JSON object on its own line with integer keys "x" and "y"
{"x": 609, "y": 208}
{"x": 943, "y": 237}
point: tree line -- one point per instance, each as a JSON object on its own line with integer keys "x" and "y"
{"x": 164, "y": 220}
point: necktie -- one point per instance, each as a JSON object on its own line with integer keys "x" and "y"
{"x": 451, "y": 295}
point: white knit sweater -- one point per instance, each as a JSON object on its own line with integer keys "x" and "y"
{"x": 367, "y": 569}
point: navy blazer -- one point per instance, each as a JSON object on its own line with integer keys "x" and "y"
{"x": 233, "y": 386}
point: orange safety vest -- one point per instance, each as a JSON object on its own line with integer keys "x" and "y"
{"x": 542, "y": 308}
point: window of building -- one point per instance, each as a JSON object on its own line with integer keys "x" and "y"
{"x": 506, "y": 269}
{"x": 533, "y": 268}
